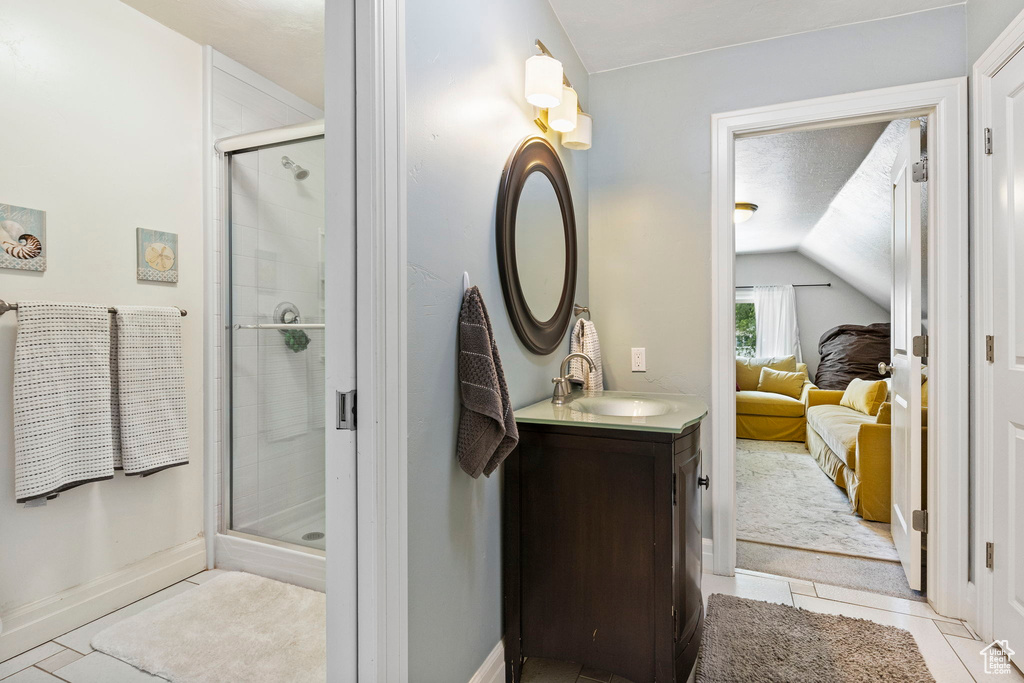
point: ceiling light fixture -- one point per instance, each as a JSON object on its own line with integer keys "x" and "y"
{"x": 744, "y": 212}
{"x": 558, "y": 108}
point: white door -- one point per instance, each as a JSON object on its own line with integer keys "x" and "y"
{"x": 1008, "y": 371}
{"x": 906, "y": 367}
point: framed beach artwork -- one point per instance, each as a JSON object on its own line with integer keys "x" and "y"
{"x": 22, "y": 238}
{"x": 157, "y": 255}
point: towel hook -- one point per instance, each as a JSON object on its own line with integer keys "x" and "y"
{"x": 465, "y": 281}
{"x": 578, "y": 310}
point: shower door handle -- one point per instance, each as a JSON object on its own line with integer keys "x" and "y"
{"x": 346, "y": 410}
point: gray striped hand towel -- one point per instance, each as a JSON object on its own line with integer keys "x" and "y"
{"x": 62, "y": 435}
{"x": 487, "y": 427}
{"x": 584, "y": 340}
{"x": 150, "y": 389}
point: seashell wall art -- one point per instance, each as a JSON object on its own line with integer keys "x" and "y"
{"x": 22, "y": 238}
{"x": 157, "y": 255}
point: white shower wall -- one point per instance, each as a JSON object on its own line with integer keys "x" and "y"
{"x": 277, "y": 413}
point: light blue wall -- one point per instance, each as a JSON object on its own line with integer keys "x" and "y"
{"x": 465, "y": 112}
{"x": 650, "y": 174}
{"x": 986, "y": 19}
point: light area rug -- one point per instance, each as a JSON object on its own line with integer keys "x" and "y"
{"x": 764, "y": 642}
{"x": 235, "y": 628}
{"x": 783, "y": 498}
{"x": 860, "y": 573}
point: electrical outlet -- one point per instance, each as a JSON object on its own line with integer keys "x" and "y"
{"x": 638, "y": 360}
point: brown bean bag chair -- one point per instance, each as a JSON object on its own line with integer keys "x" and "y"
{"x": 851, "y": 351}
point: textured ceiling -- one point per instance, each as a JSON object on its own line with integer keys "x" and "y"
{"x": 610, "y": 34}
{"x": 827, "y": 194}
{"x": 793, "y": 177}
{"x": 282, "y": 40}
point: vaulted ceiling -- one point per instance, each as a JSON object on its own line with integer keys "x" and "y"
{"x": 826, "y": 194}
{"x": 610, "y": 34}
{"x": 282, "y": 40}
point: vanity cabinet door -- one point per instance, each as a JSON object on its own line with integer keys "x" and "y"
{"x": 688, "y": 549}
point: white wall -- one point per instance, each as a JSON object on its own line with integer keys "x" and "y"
{"x": 276, "y": 256}
{"x": 102, "y": 129}
{"x": 817, "y": 308}
{"x": 465, "y": 113}
{"x": 986, "y": 19}
{"x": 650, "y": 180}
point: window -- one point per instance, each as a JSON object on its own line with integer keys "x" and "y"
{"x": 746, "y": 327}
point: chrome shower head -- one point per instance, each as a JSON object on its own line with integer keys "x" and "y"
{"x": 299, "y": 172}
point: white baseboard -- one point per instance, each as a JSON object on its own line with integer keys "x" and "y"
{"x": 708, "y": 555}
{"x": 301, "y": 568}
{"x": 493, "y": 668}
{"x": 37, "y": 622}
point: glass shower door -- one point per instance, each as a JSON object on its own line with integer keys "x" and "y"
{"x": 276, "y": 280}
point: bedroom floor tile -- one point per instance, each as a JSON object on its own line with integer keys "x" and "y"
{"x": 886, "y": 602}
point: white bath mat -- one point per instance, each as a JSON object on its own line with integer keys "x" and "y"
{"x": 235, "y": 628}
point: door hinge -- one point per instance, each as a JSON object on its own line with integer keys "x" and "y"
{"x": 919, "y": 172}
{"x": 919, "y": 521}
{"x": 675, "y": 487}
{"x": 990, "y": 348}
{"x": 988, "y": 141}
{"x": 990, "y": 551}
{"x": 920, "y": 346}
{"x": 346, "y": 410}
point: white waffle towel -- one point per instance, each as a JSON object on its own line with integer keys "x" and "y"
{"x": 150, "y": 389}
{"x": 62, "y": 434}
{"x": 584, "y": 340}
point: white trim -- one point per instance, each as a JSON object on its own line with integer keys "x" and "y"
{"x": 945, "y": 104}
{"x": 35, "y": 623}
{"x": 1009, "y": 42}
{"x": 273, "y": 136}
{"x": 211, "y": 401}
{"x": 493, "y": 668}
{"x": 264, "y": 84}
{"x": 381, "y": 329}
{"x": 303, "y": 567}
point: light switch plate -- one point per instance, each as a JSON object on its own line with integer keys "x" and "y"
{"x": 638, "y": 360}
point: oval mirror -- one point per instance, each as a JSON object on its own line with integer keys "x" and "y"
{"x": 536, "y": 236}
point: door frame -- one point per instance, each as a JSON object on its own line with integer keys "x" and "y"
{"x": 945, "y": 104}
{"x": 1005, "y": 47}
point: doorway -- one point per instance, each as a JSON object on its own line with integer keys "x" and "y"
{"x": 942, "y": 104}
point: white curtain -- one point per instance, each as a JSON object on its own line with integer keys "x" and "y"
{"x": 775, "y": 319}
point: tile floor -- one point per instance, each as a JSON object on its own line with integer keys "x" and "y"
{"x": 69, "y": 657}
{"x": 949, "y": 647}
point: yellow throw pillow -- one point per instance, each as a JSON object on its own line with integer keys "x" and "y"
{"x": 865, "y": 397}
{"x": 748, "y": 370}
{"x": 779, "y": 382}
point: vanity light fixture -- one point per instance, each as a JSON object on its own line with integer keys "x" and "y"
{"x": 566, "y": 115}
{"x": 744, "y": 212}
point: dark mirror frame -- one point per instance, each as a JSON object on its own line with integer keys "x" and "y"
{"x": 534, "y": 155}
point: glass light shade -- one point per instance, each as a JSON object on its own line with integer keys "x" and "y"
{"x": 581, "y": 136}
{"x": 563, "y": 117}
{"x": 543, "y": 81}
{"x": 744, "y": 212}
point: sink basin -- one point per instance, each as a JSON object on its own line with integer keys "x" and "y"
{"x": 612, "y": 406}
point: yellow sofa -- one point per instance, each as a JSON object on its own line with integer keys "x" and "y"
{"x": 854, "y": 450}
{"x": 764, "y": 415}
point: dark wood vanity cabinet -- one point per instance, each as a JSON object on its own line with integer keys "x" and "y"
{"x": 602, "y": 550}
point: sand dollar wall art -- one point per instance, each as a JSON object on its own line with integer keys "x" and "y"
{"x": 158, "y": 255}
{"x": 22, "y": 238}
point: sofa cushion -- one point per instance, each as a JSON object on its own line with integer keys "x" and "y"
{"x": 865, "y": 397}
{"x": 748, "y": 370}
{"x": 766, "y": 403}
{"x": 779, "y": 382}
{"x": 838, "y": 426}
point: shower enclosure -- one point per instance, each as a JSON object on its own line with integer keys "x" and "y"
{"x": 273, "y": 314}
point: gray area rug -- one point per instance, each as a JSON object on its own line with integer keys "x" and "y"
{"x": 784, "y": 498}
{"x": 750, "y": 640}
{"x": 235, "y": 627}
{"x": 875, "y": 576}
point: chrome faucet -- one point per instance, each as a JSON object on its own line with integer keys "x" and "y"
{"x": 562, "y": 393}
